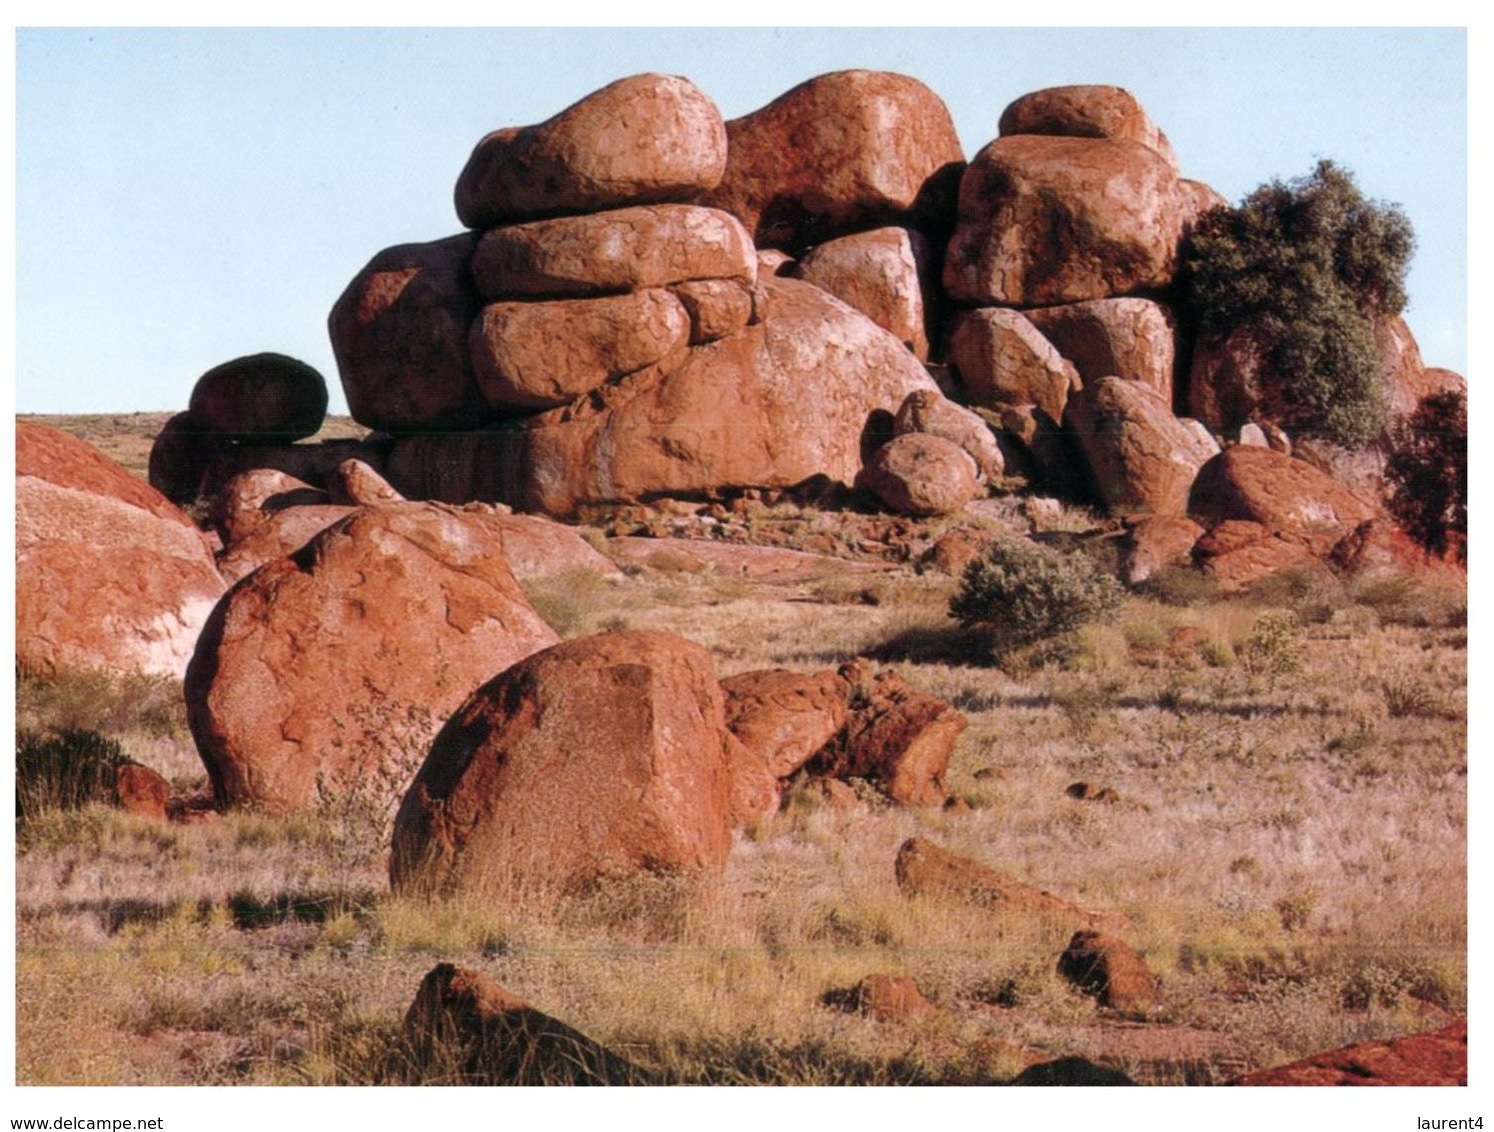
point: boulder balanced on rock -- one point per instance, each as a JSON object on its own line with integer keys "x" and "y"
{"x": 841, "y": 153}
{"x": 645, "y": 139}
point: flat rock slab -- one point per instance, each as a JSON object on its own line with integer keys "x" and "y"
{"x": 1436, "y": 1058}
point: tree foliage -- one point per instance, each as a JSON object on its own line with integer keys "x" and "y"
{"x": 1307, "y": 265}
{"x": 1428, "y": 473}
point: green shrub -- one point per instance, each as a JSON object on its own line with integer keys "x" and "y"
{"x": 1428, "y": 473}
{"x": 1306, "y": 266}
{"x": 1024, "y": 594}
{"x": 64, "y": 771}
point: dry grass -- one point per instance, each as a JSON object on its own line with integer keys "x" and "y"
{"x": 1290, "y": 853}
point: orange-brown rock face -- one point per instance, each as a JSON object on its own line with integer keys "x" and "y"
{"x": 646, "y": 139}
{"x": 248, "y": 500}
{"x": 399, "y": 332}
{"x": 601, "y": 757}
{"x": 897, "y": 738}
{"x": 625, "y": 249}
{"x": 1284, "y": 494}
{"x": 109, "y": 574}
{"x": 780, "y": 402}
{"x": 141, "y": 791}
{"x": 920, "y": 474}
{"x": 530, "y": 356}
{"x": 890, "y": 998}
{"x": 1436, "y": 1058}
{"x": 881, "y": 274}
{"x": 717, "y": 307}
{"x": 1004, "y": 359}
{"x": 786, "y": 716}
{"x": 263, "y": 395}
{"x": 842, "y": 152}
{"x": 280, "y": 533}
{"x": 463, "y": 1022}
{"x": 1237, "y": 554}
{"x": 1131, "y": 338}
{"x": 328, "y": 671}
{"x": 1085, "y": 112}
{"x": 1046, "y": 220}
{"x": 1143, "y": 458}
{"x": 929, "y": 411}
{"x": 1156, "y": 542}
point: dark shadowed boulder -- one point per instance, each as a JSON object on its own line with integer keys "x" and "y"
{"x": 399, "y": 332}
{"x": 465, "y": 1029}
{"x": 266, "y": 396}
{"x": 1107, "y": 968}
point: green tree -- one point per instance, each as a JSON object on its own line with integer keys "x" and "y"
{"x": 1428, "y": 473}
{"x": 1308, "y": 266}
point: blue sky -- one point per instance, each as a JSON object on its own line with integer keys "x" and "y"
{"x": 187, "y": 196}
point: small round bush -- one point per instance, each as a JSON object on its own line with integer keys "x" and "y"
{"x": 1024, "y": 593}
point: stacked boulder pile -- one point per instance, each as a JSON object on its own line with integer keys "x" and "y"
{"x": 650, "y": 302}
{"x": 605, "y": 334}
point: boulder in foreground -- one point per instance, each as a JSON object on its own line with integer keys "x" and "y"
{"x": 600, "y": 758}
{"x": 326, "y": 672}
